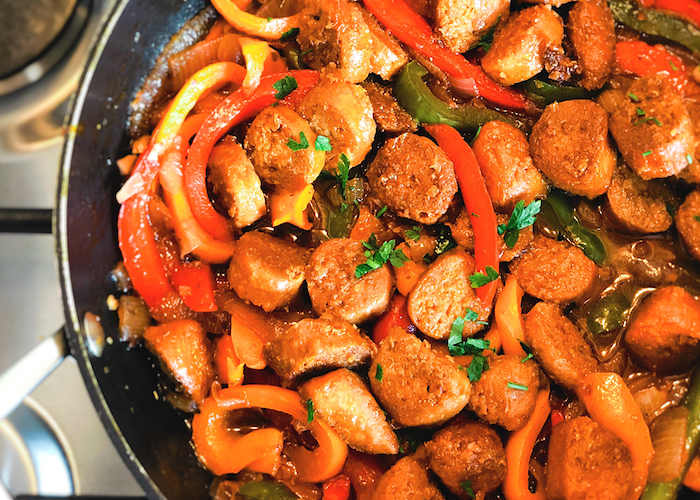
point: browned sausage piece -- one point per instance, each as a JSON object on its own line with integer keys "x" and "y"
{"x": 586, "y": 460}
{"x": 342, "y": 112}
{"x": 267, "y": 271}
{"x": 591, "y": 29}
{"x": 691, "y": 174}
{"x": 558, "y": 345}
{"x": 664, "y": 332}
{"x": 463, "y": 234}
{"x": 519, "y": 45}
{"x": 333, "y": 287}
{"x": 688, "y": 224}
{"x": 554, "y": 270}
{"x": 443, "y": 293}
{"x": 637, "y": 205}
{"x": 389, "y": 116}
{"x": 417, "y": 386}
{"x": 496, "y": 402}
{"x": 406, "y": 480}
{"x": 413, "y": 177}
{"x": 460, "y": 23}
{"x": 656, "y": 143}
{"x": 388, "y": 56}
{"x": 311, "y": 345}
{"x": 570, "y": 145}
{"x": 268, "y": 145}
{"x": 343, "y": 400}
{"x": 235, "y": 182}
{"x": 553, "y": 3}
{"x": 503, "y": 154}
{"x": 335, "y": 39}
{"x": 467, "y": 451}
{"x": 183, "y": 347}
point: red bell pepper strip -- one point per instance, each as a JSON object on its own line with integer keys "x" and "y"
{"x": 476, "y": 200}
{"x": 689, "y": 9}
{"x": 409, "y": 27}
{"x": 397, "y": 315}
{"x": 337, "y": 488}
{"x": 239, "y": 107}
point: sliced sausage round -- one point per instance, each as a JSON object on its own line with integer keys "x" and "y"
{"x": 656, "y": 143}
{"x": 688, "y": 224}
{"x": 444, "y": 293}
{"x": 406, "y": 480}
{"x": 586, "y": 460}
{"x": 558, "y": 345}
{"x": 506, "y": 392}
{"x": 637, "y": 205}
{"x": 503, "y": 154}
{"x": 342, "y": 112}
{"x": 591, "y": 29}
{"x": 570, "y": 145}
{"x": 334, "y": 287}
{"x": 461, "y": 23}
{"x": 413, "y": 177}
{"x": 468, "y": 451}
{"x": 664, "y": 332}
{"x": 554, "y": 270}
{"x": 519, "y": 45}
{"x": 416, "y": 385}
{"x": 463, "y": 234}
{"x": 275, "y": 144}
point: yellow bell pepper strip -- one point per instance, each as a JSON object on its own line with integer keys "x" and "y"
{"x": 255, "y": 53}
{"x": 314, "y": 466}
{"x": 250, "y": 24}
{"x": 225, "y": 452}
{"x": 519, "y": 450}
{"x": 508, "y": 318}
{"x": 477, "y": 202}
{"x": 291, "y": 207}
{"x": 610, "y": 403}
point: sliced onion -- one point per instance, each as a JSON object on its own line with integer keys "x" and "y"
{"x": 140, "y": 144}
{"x": 668, "y": 434}
{"x": 463, "y": 87}
{"x": 188, "y": 62}
{"x": 133, "y": 186}
{"x": 611, "y": 99}
{"x": 126, "y": 164}
{"x": 650, "y": 400}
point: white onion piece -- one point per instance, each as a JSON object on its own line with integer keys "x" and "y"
{"x": 133, "y": 186}
{"x": 611, "y": 99}
{"x": 463, "y": 87}
{"x": 668, "y": 434}
{"x": 650, "y": 400}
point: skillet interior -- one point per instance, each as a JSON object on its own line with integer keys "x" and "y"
{"x": 124, "y": 384}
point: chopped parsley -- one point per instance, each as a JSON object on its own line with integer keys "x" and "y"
{"x": 521, "y": 218}
{"x": 475, "y": 215}
{"x": 322, "y": 143}
{"x": 284, "y": 86}
{"x": 487, "y": 40}
{"x": 528, "y": 356}
{"x": 476, "y": 136}
{"x": 310, "y": 411}
{"x": 518, "y": 387}
{"x": 673, "y": 66}
{"x": 640, "y": 112}
{"x": 288, "y": 35}
{"x": 269, "y": 19}
{"x": 381, "y": 211}
{"x": 377, "y": 256}
{"x": 648, "y": 119}
{"x": 671, "y": 209}
{"x": 467, "y": 487}
{"x": 298, "y": 146}
{"x": 306, "y": 52}
{"x": 633, "y": 96}
{"x": 646, "y": 153}
{"x": 689, "y": 159}
{"x": 528, "y": 351}
{"x": 480, "y": 279}
{"x": 697, "y": 218}
{"x": 379, "y": 374}
{"x": 414, "y": 233}
{"x": 459, "y": 346}
{"x": 478, "y": 366}
{"x": 444, "y": 241}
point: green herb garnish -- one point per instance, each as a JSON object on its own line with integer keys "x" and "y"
{"x": 478, "y": 131}
{"x": 381, "y": 211}
{"x": 322, "y": 143}
{"x": 697, "y": 218}
{"x": 521, "y": 218}
{"x": 487, "y": 40}
{"x": 444, "y": 241}
{"x": 343, "y": 173}
{"x": 298, "y": 146}
{"x": 519, "y": 387}
{"x": 284, "y": 86}
{"x": 377, "y": 256}
{"x": 379, "y": 374}
{"x": 478, "y": 280}
{"x": 309, "y": 411}
{"x": 459, "y": 346}
{"x": 646, "y": 153}
{"x": 287, "y": 35}
{"x": 673, "y": 66}
{"x": 414, "y": 233}
{"x": 640, "y": 112}
{"x": 689, "y": 159}
{"x": 633, "y": 96}
{"x": 467, "y": 487}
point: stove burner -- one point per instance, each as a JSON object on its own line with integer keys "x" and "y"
{"x": 35, "y": 35}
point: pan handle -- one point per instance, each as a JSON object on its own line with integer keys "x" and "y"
{"x": 27, "y": 373}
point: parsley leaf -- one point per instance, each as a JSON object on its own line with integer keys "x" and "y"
{"x": 487, "y": 40}
{"x": 480, "y": 279}
{"x": 378, "y": 256}
{"x": 414, "y": 233}
{"x": 379, "y": 374}
{"x": 519, "y": 387}
{"x": 343, "y": 173}
{"x": 646, "y": 153}
{"x": 322, "y": 143}
{"x": 467, "y": 487}
{"x": 397, "y": 258}
{"x": 381, "y": 211}
{"x": 444, "y": 241}
{"x": 697, "y": 218}
{"x": 633, "y": 96}
{"x": 478, "y": 365}
{"x": 310, "y": 411}
{"x": 521, "y": 218}
{"x": 671, "y": 209}
{"x": 284, "y": 86}
{"x": 459, "y": 346}
{"x": 298, "y": 146}
{"x": 288, "y": 35}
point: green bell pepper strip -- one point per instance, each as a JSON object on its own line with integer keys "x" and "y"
{"x": 265, "y": 490}
{"x": 559, "y": 213}
{"x": 542, "y": 92}
{"x": 415, "y": 97}
{"x": 657, "y": 23}
{"x": 609, "y": 313}
{"x": 669, "y": 490}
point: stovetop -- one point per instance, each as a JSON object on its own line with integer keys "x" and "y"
{"x": 54, "y": 444}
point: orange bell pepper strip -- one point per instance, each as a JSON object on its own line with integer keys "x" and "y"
{"x": 255, "y": 53}
{"x": 495, "y": 341}
{"x": 476, "y": 200}
{"x": 519, "y": 450}
{"x": 397, "y": 315}
{"x": 250, "y": 24}
{"x": 228, "y": 367}
{"x": 692, "y": 477}
{"x": 225, "y": 452}
{"x": 509, "y": 321}
{"x": 315, "y": 466}
{"x": 291, "y": 207}
{"x": 610, "y": 403}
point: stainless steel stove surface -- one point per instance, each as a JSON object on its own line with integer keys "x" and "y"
{"x": 54, "y": 444}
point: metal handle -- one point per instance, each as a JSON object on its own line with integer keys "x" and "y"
{"x": 27, "y": 373}
{"x": 25, "y": 220}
